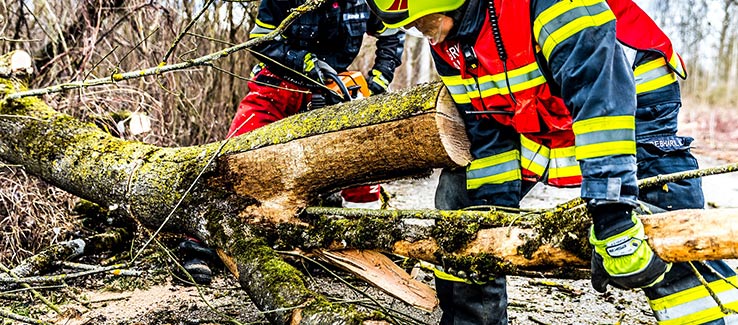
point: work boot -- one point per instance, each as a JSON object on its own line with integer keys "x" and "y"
{"x": 195, "y": 257}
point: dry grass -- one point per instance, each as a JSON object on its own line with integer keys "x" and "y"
{"x": 33, "y": 215}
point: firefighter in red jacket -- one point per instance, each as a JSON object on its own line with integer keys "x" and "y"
{"x": 551, "y": 91}
{"x": 293, "y": 67}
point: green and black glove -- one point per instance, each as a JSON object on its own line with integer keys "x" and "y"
{"x": 316, "y": 69}
{"x": 378, "y": 84}
{"x": 623, "y": 258}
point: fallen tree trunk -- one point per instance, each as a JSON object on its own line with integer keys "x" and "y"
{"x": 240, "y": 186}
{"x": 246, "y": 194}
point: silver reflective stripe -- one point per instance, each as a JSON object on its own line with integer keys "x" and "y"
{"x": 569, "y": 17}
{"x": 731, "y": 320}
{"x": 563, "y": 162}
{"x": 534, "y": 157}
{"x": 630, "y": 53}
{"x": 501, "y": 85}
{"x": 463, "y": 89}
{"x": 605, "y": 136}
{"x": 258, "y": 30}
{"x": 389, "y": 31}
{"x": 694, "y": 306}
{"x": 652, "y": 75}
{"x": 496, "y": 169}
{"x": 496, "y": 84}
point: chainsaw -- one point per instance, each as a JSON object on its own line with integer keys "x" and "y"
{"x": 344, "y": 87}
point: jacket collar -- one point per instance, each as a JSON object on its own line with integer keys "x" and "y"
{"x": 468, "y": 20}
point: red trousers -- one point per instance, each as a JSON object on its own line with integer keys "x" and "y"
{"x": 272, "y": 98}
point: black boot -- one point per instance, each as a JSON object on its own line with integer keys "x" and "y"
{"x": 473, "y": 304}
{"x": 195, "y": 258}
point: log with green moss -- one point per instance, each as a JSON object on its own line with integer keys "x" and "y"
{"x": 241, "y": 185}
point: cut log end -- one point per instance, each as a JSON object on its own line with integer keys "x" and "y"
{"x": 451, "y": 129}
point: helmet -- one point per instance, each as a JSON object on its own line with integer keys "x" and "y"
{"x": 398, "y": 13}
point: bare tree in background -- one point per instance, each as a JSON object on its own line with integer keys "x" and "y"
{"x": 727, "y": 49}
{"x": 705, "y": 33}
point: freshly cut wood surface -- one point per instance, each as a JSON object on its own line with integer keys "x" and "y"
{"x": 377, "y": 269}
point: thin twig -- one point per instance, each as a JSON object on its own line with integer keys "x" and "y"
{"x": 258, "y": 82}
{"x": 342, "y": 280}
{"x": 179, "y": 266}
{"x": 664, "y": 179}
{"x": 61, "y": 277}
{"x": 179, "y": 37}
{"x": 725, "y": 310}
{"x": 35, "y": 288}
{"x": 24, "y": 319}
{"x": 21, "y": 116}
{"x": 34, "y": 292}
{"x": 718, "y": 274}
{"x": 89, "y": 267}
{"x": 19, "y": 40}
{"x": 675, "y": 177}
{"x": 161, "y": 69}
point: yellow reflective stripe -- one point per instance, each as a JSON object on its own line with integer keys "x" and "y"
{"x": 464, "y": 90}
{"x": 561, "y": 172}
{"x": 259, "y": 31}
{"x": 448, "y": 277}
{"x": 457, "y": 88}
{"x": 522, "y": 78}
{"x": 605, "y": 136}
{"x": 438, "y": 271}
{"x": 695, "y": 305}
{"x": 509, "y": 176}
{"x": 606, "y": 149}
{"x": 656, "y": 83}
{"x": 653, "y": 75}
{"x": 571, "y": 27}
{"x": 265, "y": 25}
{"x": 308, "y": 63}
{"x": 533, "y": 156}
{"x": 648, "y": 66}
{"x": 604, "y": 123}
{"x": 563, "y": 163}
{"x": 496, "y": 169}
{"x": 379, "y": 78}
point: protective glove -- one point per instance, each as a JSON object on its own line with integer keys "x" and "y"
{"x": 378, "y": 84}
{"x": 623, "y": 259}
{"x": 316, "y": 69}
